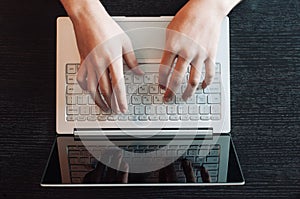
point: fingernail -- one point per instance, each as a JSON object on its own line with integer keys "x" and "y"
{"x": 162, "y": 86}
{"x": 204, "y": 85}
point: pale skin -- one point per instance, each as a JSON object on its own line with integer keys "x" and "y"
{"x": 191, "y": 39}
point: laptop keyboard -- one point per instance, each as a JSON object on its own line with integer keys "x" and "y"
{"x": 208, "y": 156}
{"x": 145, "y": 100}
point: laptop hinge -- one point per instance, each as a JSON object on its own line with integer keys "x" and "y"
{"x": 132, "y": 133}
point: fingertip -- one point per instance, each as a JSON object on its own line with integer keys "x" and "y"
{"x": 204, "y": 85}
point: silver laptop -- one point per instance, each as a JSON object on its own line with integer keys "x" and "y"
{"x": 187, "y": 140}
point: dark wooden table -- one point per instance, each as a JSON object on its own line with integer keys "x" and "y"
{"x": 265, "y": 96}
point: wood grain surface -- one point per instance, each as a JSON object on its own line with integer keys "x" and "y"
{"x": 265, "y": 98}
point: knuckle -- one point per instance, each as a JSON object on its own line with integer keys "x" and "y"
{"x": 194, "y": 83}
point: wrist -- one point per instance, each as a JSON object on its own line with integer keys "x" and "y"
{"x": 78, "y": 9}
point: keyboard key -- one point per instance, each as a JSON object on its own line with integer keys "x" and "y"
{"x": 153, "y": 89}
{"x": 218, "y": 68}
{"x": 215, "y": 117}
{"x": 211, "y": 166}
{"x": 84, "y": 110}
{"x": 206, "y": 117}
{"x": 81, "y": 118}
{"x": 179, "y": 100}
{"x": 214, "y": 152}
{"x": 214, "y": 99}
{"x": 174, "y": 118}
{"x": 201, "y": 99}
{"x": 191, "y": 100}
{"x": 143, "y": 89}
{"x": 102, "y": 118}
{"x": 132, "y": 89}
{"x": 92, "y": 118}
{"x": 148, "y": 79}
{"x": 132, "y": 118}
{"x": 153, "y": 118}
{"x": 215, "y": 109}
{"x": 136, "y": 99}
{"x": 182, "y": 110}
{"x": 193, "y": 109}
{"x": 171, "y": 110}
{"x": 184, "y": 117}
{"x": 71, "y": 79}
{"x": 71, "y": 68}
{"x": 95, "y": 110}
{"x": 91, "y": 101}
{"x": 139, "y": 110}
{"x": 71, "y": 118}
{"x": 213, "y": 173}
{"x": 194, "y": 118}
{"x": 71, "y": 100}
{"x": 147, "y": 99}
{"x": 72, "y": 110}
{"x": 213, "y": 88}
{"x": 158, "y": 99}
{"x": 204, "y": 109}
{"x": 122, "y": 118}
{"x": 82, "y": 100}
{"x": 150, "y": 110}
{"x": 212, "y": 159}
{"x": 163, "y": 118}
{"x": 112, "y": 118}
{"x": 74, "y": 89}
{"x": 128, "y": 79}
{"x": 161, "y": 110}
{"x": 143, "y": 118}
{"x": 137, "y": 79}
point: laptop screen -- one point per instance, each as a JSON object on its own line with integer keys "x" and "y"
{"x": 207, "y": 169}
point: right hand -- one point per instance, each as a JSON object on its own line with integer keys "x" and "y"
{"x": 102, "y": 44}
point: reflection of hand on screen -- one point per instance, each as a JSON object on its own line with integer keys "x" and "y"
{"x": 104, "y": 174}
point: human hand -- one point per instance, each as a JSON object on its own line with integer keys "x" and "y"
{"x": 192, "y": 37}
{"x": 168, "y": 173}
{"x": 101, "y": 44}
{"x": 105, "y": 174}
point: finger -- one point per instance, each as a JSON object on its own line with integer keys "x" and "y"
{"x": 162, "y": 175}
{"x": 81, "y": 77}
{"x": 105, "y": 88}
{"x": 204, "y": 174}
{"x": 188, "y": 170}
{"x": 118, "y": 84}
{"x": 176, "y": 78}
{"x": 130, "y": 59}
{"x": 94, "y": 93}
{"x": 112, "y": 171}
{"x": 194, "y": 80}
{"x": 96, "y": 175}
{"x": 123, "y": 173}
{"x": 209, "y": 73}
{"x": 166, "y": 64}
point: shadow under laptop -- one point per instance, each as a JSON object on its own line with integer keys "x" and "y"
{"x": 210, "y": 161}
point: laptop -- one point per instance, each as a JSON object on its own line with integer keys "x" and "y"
{"x": 154, "y": 143}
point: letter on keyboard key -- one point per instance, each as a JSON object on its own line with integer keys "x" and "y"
{"x": 137, "y": 79}
{"x": 213, "y": 88}
{"x": 147, "y": 99}
{"x": 215, "y": 117}
{"x": 171, "y": 110}
{"x": 71, "y": 79}
{"x": 201, "y": 99}
{"x": 72, "y": 110}
{"x": 204, "y": 109}
{"x": 193, "y": 109}
{"x": 139, "y": 110}
{"x": 74, "y": 89}
{"x": 71, "y": 68}
{"x": 215, "y": 109}
{"x": 182, "y": 110}
{"x": 136, "y": 99}
{"x": 153, "y": 89}
{"x": 150, "y": 110}
{"x": 71, "y": 100}
{"x": 157, "y": 99}
{"x": 161, "y": 110}
{"x": 143, "y": 89}
{"x": 214, "y": 99}
{"x": 143, "y": 118}
{"x": 84, "y": 110}
{"x": 148, "y": 79}
{"x": 174, "y": 117}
